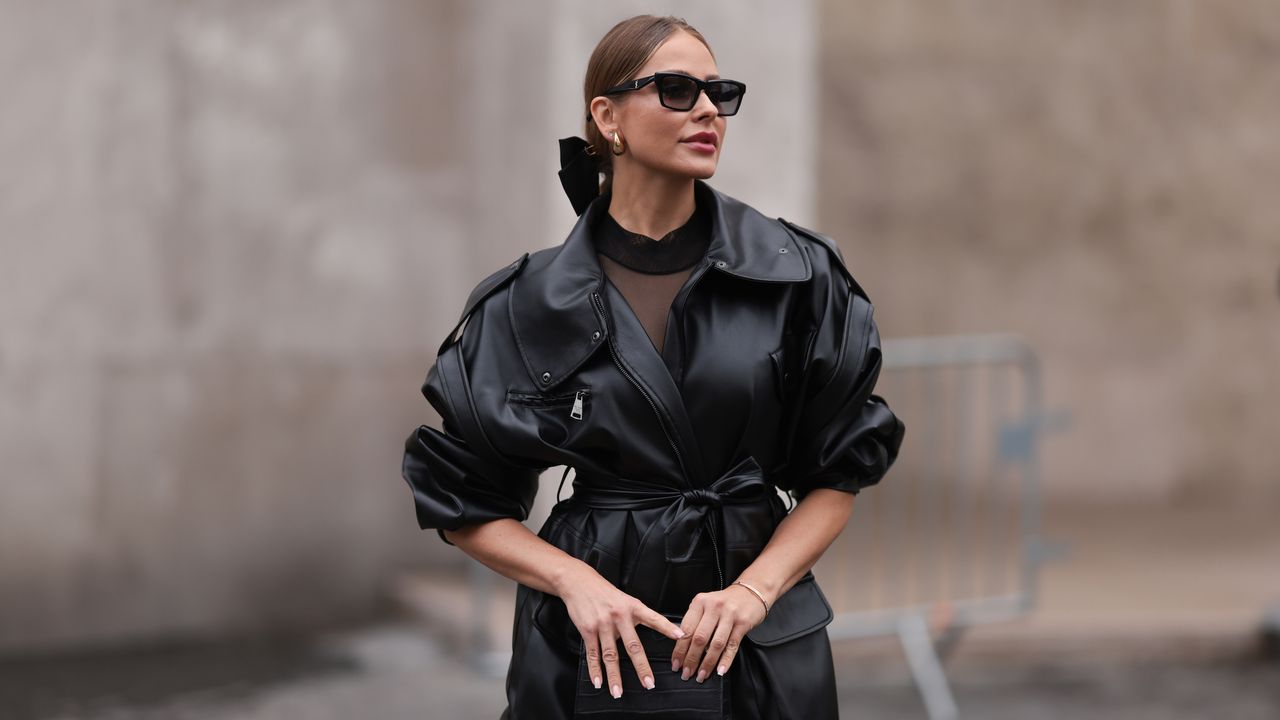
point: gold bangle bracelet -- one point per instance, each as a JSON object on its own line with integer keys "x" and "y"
{"x": 756, "y": 593}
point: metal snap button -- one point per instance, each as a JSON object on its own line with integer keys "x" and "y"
{"x": 546, "y": 377}
{"x": 595, "y": 336}
{"x": 721, "y": 263}
{"x": 782, "y": 250}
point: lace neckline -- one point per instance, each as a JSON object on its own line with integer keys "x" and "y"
{"x": 677, "y": 250}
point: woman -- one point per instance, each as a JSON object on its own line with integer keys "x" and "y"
{"x": 685, "y": 355}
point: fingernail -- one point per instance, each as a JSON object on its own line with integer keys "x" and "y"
{"x": 685, "y": 675}
{"x": 648, "y": 682}
{"x": 595, "y": 680}
{"x": 675, "y": 665}
{"x": 721, "y": 670}
{"x": 616, "y": 690}
{"x": 679, "y": 633}
{"x": 702, "y": 675}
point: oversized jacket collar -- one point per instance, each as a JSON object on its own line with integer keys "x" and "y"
{"x": 558, "y": 325}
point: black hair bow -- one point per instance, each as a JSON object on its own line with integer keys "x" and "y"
{"x": 579, "y": 172}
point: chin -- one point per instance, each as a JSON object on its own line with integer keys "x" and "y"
{"x": 699, "y": 171}
{"x": 689, "y": 170}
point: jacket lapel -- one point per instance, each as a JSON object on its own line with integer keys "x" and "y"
{"x": 552, "y": 313}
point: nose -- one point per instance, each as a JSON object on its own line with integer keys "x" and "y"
{"x": 704, "y": 107}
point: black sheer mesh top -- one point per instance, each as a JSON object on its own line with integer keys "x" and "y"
{"x": 649, "y": 273}
{"x": 677, "y": 250}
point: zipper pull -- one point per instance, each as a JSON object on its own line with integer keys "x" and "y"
{"x": 576, "y": 412}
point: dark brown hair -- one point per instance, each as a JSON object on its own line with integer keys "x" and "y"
{"x": 619, "y": 54}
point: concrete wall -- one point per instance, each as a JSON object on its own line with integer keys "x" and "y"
{"x": 234, "y": 233}
{"x": 228, "y": 229}
{"x": 1098, "y": 177}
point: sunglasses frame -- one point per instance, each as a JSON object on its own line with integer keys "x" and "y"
{"x": 702, "y": 86}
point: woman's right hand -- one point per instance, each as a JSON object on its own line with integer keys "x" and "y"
{"x": 603, "y": 615}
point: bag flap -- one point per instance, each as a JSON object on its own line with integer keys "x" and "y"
{"x": 800, "y": 611}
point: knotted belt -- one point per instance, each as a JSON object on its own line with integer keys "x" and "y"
{"x": 687, "y": 519}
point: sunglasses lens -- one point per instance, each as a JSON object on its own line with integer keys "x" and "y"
{"x": 726, "y": 96}
{"x": 678, "y": 93}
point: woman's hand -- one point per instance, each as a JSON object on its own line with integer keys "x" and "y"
{"x": 604, "y": 614}
{"x": 715, "y": 622}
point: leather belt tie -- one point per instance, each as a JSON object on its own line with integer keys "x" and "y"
{"x": 687, "y": 519}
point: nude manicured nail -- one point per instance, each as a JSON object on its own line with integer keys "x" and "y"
{"x": 596, "y": 681}
{"x": 616, "y": 690}
{"x": 675, "y": 665}
{"x": 721, "y": 670}
{"x": 702, "y": 675}
{"x": 685, "y": 675}
{"x": 648, "y": 682}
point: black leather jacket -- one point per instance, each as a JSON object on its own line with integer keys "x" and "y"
{"x": 765, "y": 380}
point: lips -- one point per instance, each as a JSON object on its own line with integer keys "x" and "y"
{"x": 703, "y": 141}
{"x": 708, "y": 138}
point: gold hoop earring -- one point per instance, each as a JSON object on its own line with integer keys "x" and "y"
{"x": 617, "y": 144}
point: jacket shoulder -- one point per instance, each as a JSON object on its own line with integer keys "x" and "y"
{"x": 830, "y": 250}
{"x": 482, "y": 291}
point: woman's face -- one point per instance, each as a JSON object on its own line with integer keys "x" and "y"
{"x": 667, "y": 141}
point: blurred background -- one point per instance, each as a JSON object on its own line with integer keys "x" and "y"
{"x": 233, "y": 233}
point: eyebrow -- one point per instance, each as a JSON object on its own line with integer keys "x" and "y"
{"x": 712, "y": 76}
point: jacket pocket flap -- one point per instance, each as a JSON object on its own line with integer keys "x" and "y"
{"x": 800, "y": 611}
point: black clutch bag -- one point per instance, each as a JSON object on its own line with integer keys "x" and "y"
{"x": 670, "y": 699}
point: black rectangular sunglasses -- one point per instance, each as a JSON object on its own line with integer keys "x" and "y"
{"x": 677, "y": 91}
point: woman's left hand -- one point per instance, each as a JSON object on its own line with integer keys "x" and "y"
{"x": 715, "y": 622}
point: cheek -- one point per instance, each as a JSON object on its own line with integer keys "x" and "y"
{"x": 659, "y": 132}
{"x": 668, "y": 127}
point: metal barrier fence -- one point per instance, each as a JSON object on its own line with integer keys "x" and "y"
{"x": 949, "y": 539}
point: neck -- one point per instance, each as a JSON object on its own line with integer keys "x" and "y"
{"x": 652, "y": 205}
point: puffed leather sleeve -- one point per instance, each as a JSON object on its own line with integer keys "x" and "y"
{"x": 454, "y": 482}
{"x": 845, "y": 436}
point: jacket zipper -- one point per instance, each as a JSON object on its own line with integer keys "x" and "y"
{"x": 613, "y": 353}
{"x": 677, "y": 307}
{"x": 577, "y": 400}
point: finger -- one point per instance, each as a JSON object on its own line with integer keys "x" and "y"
{"x": 635, "y": 651}
{"x": 714, "y": 648}
{"x": 687, "y": 624}
{"x": 591, "y": 646}
{"x": 731, "y": 649}
{"x": 609, "y": 651}
{"x": 656, "y": 620}
{"x": 698, "y": 643}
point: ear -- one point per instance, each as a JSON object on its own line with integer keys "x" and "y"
{"x": 605, "y": 115}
